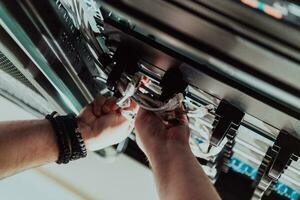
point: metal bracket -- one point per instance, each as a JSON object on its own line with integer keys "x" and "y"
{"x": 227, "y": 121}
{"x": 126, "y": 61}
{"x": 172, "y": 83}
{"x": 278, "y": 158}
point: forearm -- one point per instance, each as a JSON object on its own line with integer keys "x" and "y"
{"x": 179, "y": 176}
{"x": 26, "y": 144}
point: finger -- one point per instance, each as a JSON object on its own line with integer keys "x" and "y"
{"x": 181, "y": 116}
{"x": 168, "y": 115}
{"x": 172, "y": 123}
{"x": 87, "y": 114}
{"x": 110, "y": 105}
{"x": 97, "y": 105}
{"x": 182, "y": 121}
{"x": 134, "y": 107}
{"x": 87, "y": 108}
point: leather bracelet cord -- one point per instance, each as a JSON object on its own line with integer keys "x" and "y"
{"x": 61, "y": 138}
{"x": 70, "y": 143}
{"x": 77, "y": 142}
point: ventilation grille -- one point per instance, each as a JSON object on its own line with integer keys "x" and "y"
{"x": 9, "y": 68}
{"x": 15, "y": 87}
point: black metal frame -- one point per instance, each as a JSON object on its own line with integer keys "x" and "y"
{"x": 204, "y": 75}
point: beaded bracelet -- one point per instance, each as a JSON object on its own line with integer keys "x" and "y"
{"x": 69, "y": 140}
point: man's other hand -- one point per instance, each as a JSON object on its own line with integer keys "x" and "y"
{"x": 102, "y": 124}
{"x": 156, "y": 136}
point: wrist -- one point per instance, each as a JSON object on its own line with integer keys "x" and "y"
{"x": 85, "y": 130}
{"x": 169, "y": 152}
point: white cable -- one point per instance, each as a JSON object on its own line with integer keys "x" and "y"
{"x": 200, "y": 112}
{"x": 202, "y": 129}
{"x": 172, "y": 104}
{"x": 124, "y": 102}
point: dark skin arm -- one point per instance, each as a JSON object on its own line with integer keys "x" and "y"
{"x": 27, "y": 144}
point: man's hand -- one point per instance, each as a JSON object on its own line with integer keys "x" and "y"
{"x": 102, "y": 124}
{"x": 27, "y": 144}
{"x": 155, "y": 135}
{"x": 178, "y": 174}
